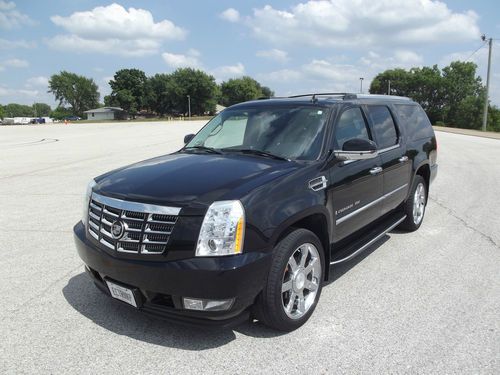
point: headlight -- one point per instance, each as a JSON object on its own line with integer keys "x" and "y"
{"x": 86, "y": 201}
{"x": 223, "y": 229}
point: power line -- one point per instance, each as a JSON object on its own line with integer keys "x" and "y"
{"x": 473, "y": 53}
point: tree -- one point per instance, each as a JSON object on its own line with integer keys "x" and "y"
{"x": 18, "y": 110}
{"x": 460, "y": 82}
{"x": 79, "y": 92}
{"x": 2, "y": 113}
{"x": 237, "y": 90}
{"x": 452, "y": 95}
{"x": 41, "y": 109}
{"x": 128, "y": 90}
{"x": 200, "y": 86}
{"x": 158, "y": 98}
{"x": 60, "y": 113}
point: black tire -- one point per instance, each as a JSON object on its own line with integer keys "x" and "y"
{"x": 411, "y": 224}
{"x": 269, "y": 308}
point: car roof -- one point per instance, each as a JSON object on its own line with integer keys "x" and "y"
{"x": 325, "y": 100}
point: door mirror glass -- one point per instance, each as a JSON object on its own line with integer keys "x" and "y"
{"x": 188, "y": 138}
{"x": 357, "y": 149}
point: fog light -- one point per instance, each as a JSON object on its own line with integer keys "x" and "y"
{"x": 207, "y": 304}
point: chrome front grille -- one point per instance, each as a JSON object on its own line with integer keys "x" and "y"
{"x": 145, "y": 228}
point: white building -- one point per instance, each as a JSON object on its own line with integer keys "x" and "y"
{"x": 105, "y": 113}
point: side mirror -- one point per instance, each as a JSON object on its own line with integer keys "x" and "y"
{"x": 357, "y": 149}
{"x": 188, "y": 138}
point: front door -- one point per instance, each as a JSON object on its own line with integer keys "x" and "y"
{"x": 355, "y": 186}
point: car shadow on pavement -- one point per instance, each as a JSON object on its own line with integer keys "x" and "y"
{"x": 114, "y": 316}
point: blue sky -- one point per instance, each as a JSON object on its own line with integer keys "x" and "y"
{"x": 290, "y": 46}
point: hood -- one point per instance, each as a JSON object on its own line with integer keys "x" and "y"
{"x": 191, "y": 180}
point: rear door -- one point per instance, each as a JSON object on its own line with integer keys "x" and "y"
{"x": 393, "y": 154}
{"x": 355, "y": 186}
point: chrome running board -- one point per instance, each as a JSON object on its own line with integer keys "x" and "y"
{"x": 371, "y": 242}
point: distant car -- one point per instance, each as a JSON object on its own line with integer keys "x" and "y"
{"x": 73, "y": 118}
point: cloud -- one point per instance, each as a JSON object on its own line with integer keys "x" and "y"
{"x": 39, "y": 81}
{"x": 12, "y": 44}
{"x": 228, "y": 71}
{"x": 189, "y": 60}
{"x": 14, "y": 63}
{"x": 361, "y": 23}
{"x": 10, "y": 18}
{"x": 328, "y": 74}
{"x": 273, "y": 54}
{"x": 11, "y": 93}
{"x": 231, "y": 15}
{"x": 113, "y": 29}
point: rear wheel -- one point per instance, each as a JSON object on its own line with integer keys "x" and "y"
{"x": 294, "y": 283}
{"x": 414, "y": 207}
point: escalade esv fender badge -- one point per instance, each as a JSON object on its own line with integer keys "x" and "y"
{"x": 117, "y": 229}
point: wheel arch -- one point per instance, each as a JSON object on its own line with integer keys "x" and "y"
{"x": 317, "y": 221}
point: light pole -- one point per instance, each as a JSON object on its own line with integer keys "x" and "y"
{"x": 189, "y": 106}
{"x": 485, "y": 111}
{"x": 361, "y": 85}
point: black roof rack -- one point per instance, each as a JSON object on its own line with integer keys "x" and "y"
{"x": 344, "y": 95}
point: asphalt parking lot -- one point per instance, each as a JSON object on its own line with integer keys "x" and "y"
{"x": 425, "y": 302}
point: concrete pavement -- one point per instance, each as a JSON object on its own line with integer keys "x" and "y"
{"x": 425, "y": 302}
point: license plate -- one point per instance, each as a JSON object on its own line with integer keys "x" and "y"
{"x": 121, "y": 293}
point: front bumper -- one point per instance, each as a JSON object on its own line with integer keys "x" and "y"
{"x": 160, "y": 285}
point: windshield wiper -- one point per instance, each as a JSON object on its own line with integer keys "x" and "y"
{"x": 257, "y": 152}
{"x": 204, "y": 148}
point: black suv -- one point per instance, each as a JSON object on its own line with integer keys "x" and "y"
{"x": 247, "y": 219}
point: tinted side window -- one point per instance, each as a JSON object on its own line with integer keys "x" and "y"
{"x": 383, "y": 126}
{"x": 415, "y": 121}
{"x": 350, "y": 125}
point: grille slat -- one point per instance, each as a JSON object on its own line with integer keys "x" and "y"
{"x": 143, "y": 232}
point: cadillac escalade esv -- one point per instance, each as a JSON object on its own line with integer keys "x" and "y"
{"x": 248, "y": 219}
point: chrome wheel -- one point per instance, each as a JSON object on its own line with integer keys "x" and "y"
{"x": 419, "y": 203}
{"x": 301, "y": 281}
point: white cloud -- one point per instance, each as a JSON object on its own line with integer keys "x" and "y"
{"x": 11, "y": 44}
{"x": 10, "y": 18}
{"x": 231, "y": 15}
{"x": 361, "y": 23}
{"x": 273, "y": 54}
{"x": 228, "y": 71}
{"x": 189, "y": 60}
{"x": 14, "y": 63}
{"x": 11, "y": 93}
{"x": 39, "y": 81}
{"x": 329, "y": 74}
{"x": 113, "y": 29}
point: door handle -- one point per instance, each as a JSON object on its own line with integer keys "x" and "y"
{"x": 402, "y": 159}
{"x": 376, "y": 170}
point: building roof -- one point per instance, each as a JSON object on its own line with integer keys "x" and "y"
{"x": 105, "y": 110}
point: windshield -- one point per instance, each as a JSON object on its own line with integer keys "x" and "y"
{"x": 291, "y": 133}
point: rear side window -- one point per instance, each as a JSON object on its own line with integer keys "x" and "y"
{"x": 350, "y": 125}
{"x": 383, "y": 126}
{"x": 415, "y": 120}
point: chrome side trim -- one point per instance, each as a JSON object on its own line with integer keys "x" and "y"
{"x": 371, "y": 242}
{"x": 361, "y": 209}
{"x": 136, "y": 206}
{"x": 389, "y": 148}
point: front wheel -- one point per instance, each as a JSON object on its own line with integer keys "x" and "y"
{"x": 414, "y": 207}
{"x": 294, "y": 283}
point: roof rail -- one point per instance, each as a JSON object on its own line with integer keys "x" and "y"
{"x": 344, "y": 95}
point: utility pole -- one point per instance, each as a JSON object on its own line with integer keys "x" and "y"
{"x": 361, "y": 85}
{"x": 389, "y": 87}
{"x": 189, "y": 106}
{"x": 485, "y": 112}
